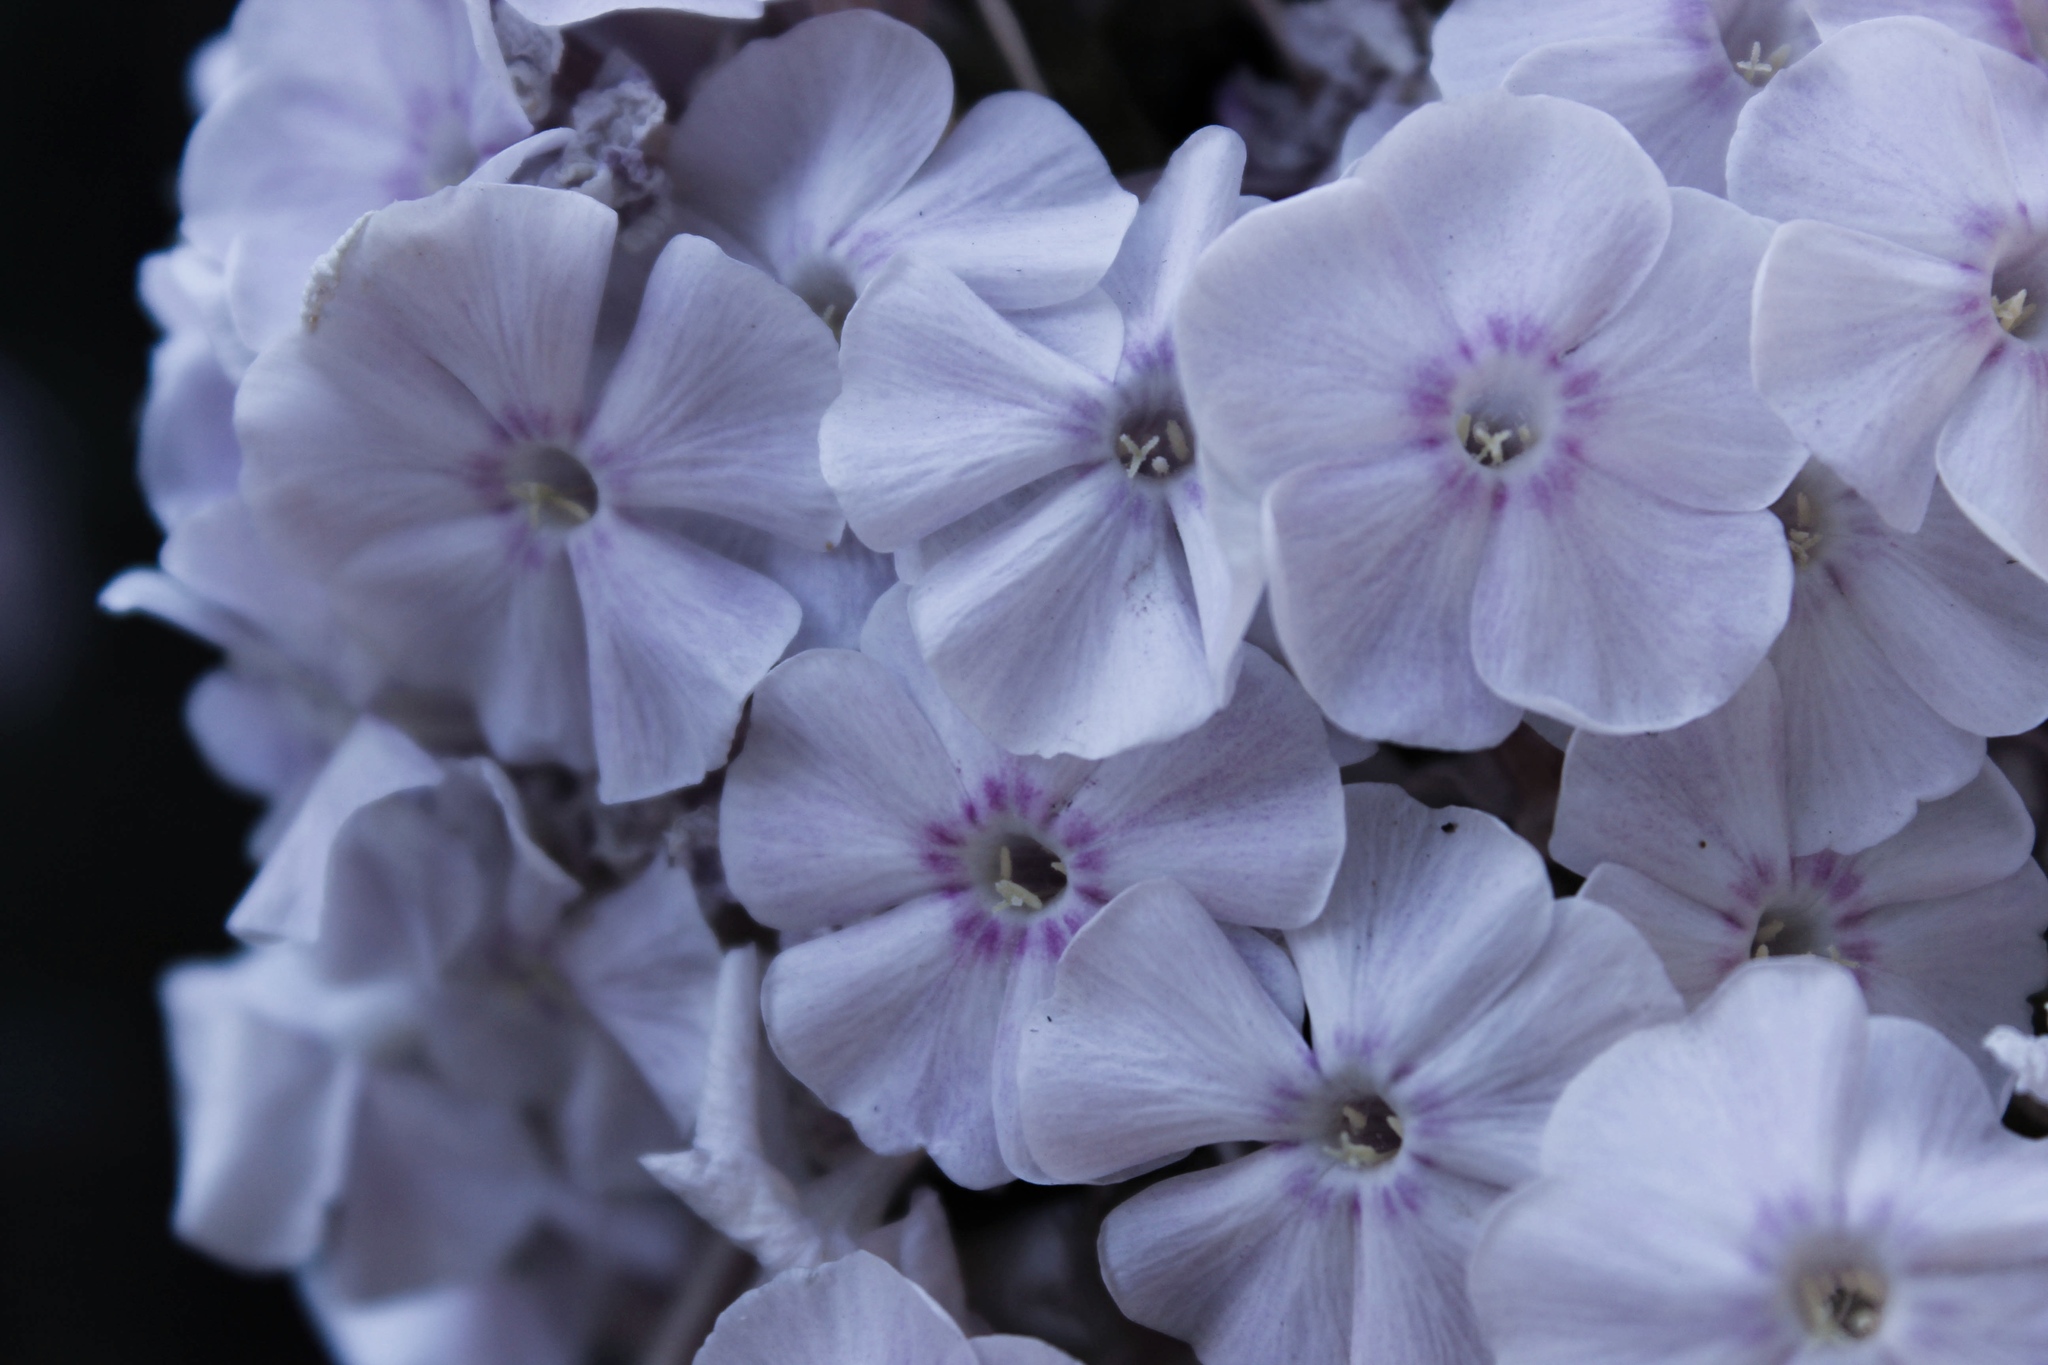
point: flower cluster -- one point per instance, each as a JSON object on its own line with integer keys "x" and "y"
{"x": 714, "y": 544}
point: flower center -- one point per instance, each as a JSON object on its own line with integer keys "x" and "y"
{"x": 1155, "y": 444}
{"x": 1757, "y": 68}
{"x": 1023, "y": 874}
{"x": 1842, "y": 1305}
{"x": 1795, "y": 932}
{"x": 1494, "y": 440}
{"x": 1367, "y": 1133}
{"x": 2019, "y": 286}
{"x": 1802, "y": 526}
{"x": 556, "y": 489}
{"x": 825, "y": 287}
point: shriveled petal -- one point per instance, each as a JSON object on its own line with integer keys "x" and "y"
{"x": 1016, "y": 201}
{"x": 1249, "y": 1263}
{"x": 1373, "y": 568}
{"x": 1246, "y": 812}
{"x": 1988, "y": 453}
{"x": 1965, "y": 626}
{"x": 1072, "y": 629}
{"x": 1677, "y": 96}
{"x": 678, "y": 638}
{"x": 1434, "y": 915}
{"x": 828, "y": 807}
{"x": 853, "y": 1311}
{"x": 1888, "y": 129}
{"x": 1491, "y": 1086}
{"x": 947, "y": 406}
{"x": 1862, "y": 750}
{"x": 715, "y": 403}
{"x": 1156, "y": 1039}
{"x": 1195, "y": 199}
{"x": 1700, "y": 809}
{"x": 1619, "y": 611}
{"x": 1679, "y": 415}
{"x": 796, "y": 137}
{"x": 645, "y": 963}
{"x": 288, "y": 899}
{"x": 1864, "y": 347}
{"x": 892, "y": 1022}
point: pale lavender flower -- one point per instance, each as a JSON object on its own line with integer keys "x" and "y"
{"x": 1493, "y": 387}
{"x": 855, "y": 1311}
{"x": 1677, "y": 73}
{"x": 1780, "y": 1177}
{"x": 1070, "y": 590}
{"x": 2018, "y": 26}
{"x": 1689, "y": 835}
{"x": 821, "y": 154}
{"x": 1897, "y": 320}
{"x": 334, "y": 110}
{"x": 1448, "y": 1004}
{"x": 1902, "y": 650}
{"x": 960, "y": 872}
{"x": 427, "y": 445}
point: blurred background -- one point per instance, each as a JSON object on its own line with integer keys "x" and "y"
{"x": 118, "y": 852}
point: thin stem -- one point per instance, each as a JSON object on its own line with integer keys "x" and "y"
{"x": 1009, "y": 35}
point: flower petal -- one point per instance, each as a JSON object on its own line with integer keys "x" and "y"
{"x": 853, "y": 1311}
{"x": 1988, "y": 449}
{"x": 1969, "y": 839}
{"x": 1195, "y": 200}
{"x": 1698, "y": 943}
{"x": 1677, "y": 96}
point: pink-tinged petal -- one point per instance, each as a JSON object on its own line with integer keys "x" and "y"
{"x": 840, "y": 798}
{"x": 853, "y": 1311}
{"x": 1962, "y": 623}
{"x": 1246, "y": 812}
{"x": 715, "y": 404}
{"x": 645, "y": 963}
{"x": 264, "y": 1112}
{"x": 288, "y": 899}
{"x": 948, "y": 406}
{"x": 1698, "y": 943}
{"x": 1249, "y": 1263}
{"x": 1864, "y": 348}
{"x": 1989, "y": 453}
{"x": 1998, "y": 22}
{"x": 1016, "y": 201}
{"x": 1072, "y": 629}
{"x": 1156, "y": 1039}
{"x": 1195, "y": 199}
{"x": 1958, "y": 843}
{"x": 892, "y": 1022}
{"x": 1700, "y": 809}
{"x": 1477, "y": 1102}
{"x": 678, "y": 638}
{"x": 1434, "y": 916}
{"x": 1006, "y": 1350}
{"x": 1590, "y": 210}
{"x": 1862, "y": 750}
{"x": 1373, "y": 567}
{"x": 1678, "y": 414}
{"x": 796, "y": 137}
{"x": 440, "y": 1188}
{"x": 1677, "y": 95}
{"x": 1301, "y": 330}
{"x": 1616, "y": 610}
{"x": 1889, "y": 130}
{"x": 1478, "y": 41}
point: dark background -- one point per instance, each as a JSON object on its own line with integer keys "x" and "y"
{"x": 118, "y": 852}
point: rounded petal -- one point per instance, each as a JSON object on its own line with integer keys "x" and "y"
{"x": 853, "y": 1311}
{"x": 1967, "y": 840}
{"x": 1989, "y": 453}
{"x": 1197, "y": 197}
{"x": 714, "y": 405}
{"x": 1478, "y": 41}
{"x": 1618, "y": 611}
{"x": 1677, "y": 95}
{"x": 1156, "y": 1039}
{"x": 828, "y": 808}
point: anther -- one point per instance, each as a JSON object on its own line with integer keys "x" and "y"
{"x": 2013, "y": 311}
{"x": 544, "y": 504}
{"x": 1015, "y": 896}
{"x": 1177, "y": 441}
{"x": 1760, "y": 68}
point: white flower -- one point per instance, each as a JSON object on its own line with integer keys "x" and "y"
{"x": 1779, "y": 1177}
{"x": 426, "y": 446}
{"x": 1493, "y": 386}
{"x": 960, "y": 873}
{"x": 1071, "y": 593}
{"x": 1897, "y": 329}
{"x": 1448, "y": 1005}
{"x": 1690, "y": 835}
